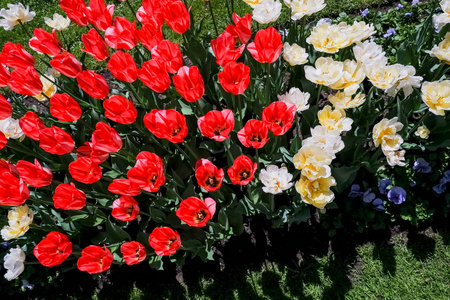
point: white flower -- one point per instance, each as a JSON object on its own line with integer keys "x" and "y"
{"x": 19, "y": 220}
{"x": 423, "y": 132}
{"x": 326, "y": 71}
{"x": 314, "y": 161}
{"x": 296, "y": 97}
{"x": 343, "y": 100}
{"x": 442, "y": 51}
{"x": 14, "y": 14}
{"x": 48, "y": 88}
{"x": 13, "y": 263}
{"x": 266, "y": 12}
{"x": 369, "y": 53}
{"x": 436, "y": 95}
{"x": 444, "y": 18}
{"x": 52, "y": 72}
{"x": 294, "y": 55}
{"x": 334, "y": 119}
{"x": 275, "y": 179}
{"x": 384, "y": 77}
{"x": 353, "y": 74}
{"x": 385, "y": 134}
{"x": 395, "y": 158}
{"x": 328, "y": 140}
{"x": 301, "y": 8}
{"x": 11, "y": 128}
{"x": 406, "y": 81}
{"x": 58, "y": 22}
{"x": 360, "y": 31}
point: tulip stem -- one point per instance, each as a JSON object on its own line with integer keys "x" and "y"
{"x": 190, "y": 150}
{"x": 227, "y": 149}
{"x": 268, "y": 84}
{"x": 297, "y": 129}
{"x": 66, "y": 44}
{"x": 257, "y": 158}
{"x": 213, "y": 19}
{"x": 133, "y": 11}
{"x": 319, "y": 93}
{"x": 183, "y": 152}
{"x": 228, "y": 10}
{"x": 24, "y": 28}
{"x": 239, "y": 100}
{"x": 133, "y": 90}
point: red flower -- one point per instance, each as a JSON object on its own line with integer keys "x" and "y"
{"x": 217, "y": 125}
{"x": 54, "y": 140}
{"x": 97, "y": 156}
{"x": 124, "y": 187}
{"x": 242, "y": 170}
{"x": 208, "y": 175}
{"x": 154, "y": 75}
{"x": 95, "y": 260}
{"x": 168, "y": 53}
{"x": 5, "y": 76}
{"x": 195, "y": 212}
{"x": 279, "y": 115}
{"x": 75, "y": 11}
{"x": 95, "y": 45}
{"x": 167, "y": 124}
{"x": 31, "y": 125}
{"x": 177, "y": 16}
{"x": 267, "y": 45}
{"x": 189, "y": 83}
{"x": 34, "y": 174}
{"x": 125, "y": 209}
{"x": 223, "y": 48}
{"x": 254, "y": 134}
{"x": 133, "y": 252}
{"x": 148, "y": 173}
{"x": 3, "y": 140}
{"x": 122, "y": 34}
{"x": 94, "y": 84}
{"x": 151, "y": 16}
{"x": 15, "y": 56}
{"x": 164, "y": 240}
{"x": 13, "y": 190}
{"x": 242, "y": 28}
{"x": 25, "y": 82}
{"x": 122, "y": 66}
{"x": 105, "y": 138}
{"x": 234, "y": 78}
{"x": 85, "y": 170}
{"x": 68, "y": 197}
{"x": 149, "y": 36}
{"x": 66, "y": 64}
{"x": 99, "y": 15}
{"x": 53, "y": 249}
{"x": 44, "y": 42}
{"x": 64, "y": 108}
{"x": 120, "y": 110}
{"x": 5, "y": 108}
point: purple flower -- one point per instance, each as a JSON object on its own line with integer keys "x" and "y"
{"x": 415, "y": 2}
{"x": 399, "y": 6}
{"x": 440, "y": 188}
{"x": 355, "y": 191}
{"x": 383, "y": 184}
{"x": 5, "y": 245}
{"x": 365, "y": 12}
{"x": 389, "y": 32}
{"x": 379, "y": 208}
{"x": 408, "y": 15}
{"x": 377, "y": 202}
{"x": 396, "y": 195}
{"x": 412, "y": 183}
{"x": 446, "y": 176}
{"x": 368, "y": 196}
{"x": 27, "y": 285}
{"x": 422, "y": 166}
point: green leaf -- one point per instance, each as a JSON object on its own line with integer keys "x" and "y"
{"x": 157, "y": 215}
{"x": 344, "y": 177}
{"x": 115, "y": 233}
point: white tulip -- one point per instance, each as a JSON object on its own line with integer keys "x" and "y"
{"x": 13, "y": 263}
{"x": 14, "y": 14}
{"x": 275, "y": 179}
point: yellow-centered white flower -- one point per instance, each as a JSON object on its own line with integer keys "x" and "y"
{"x": 253, "y": 3}
{"x": 48, "y": 88}
{"x": 314, "y": 161}
{"x": 11, "y": 128}
{"x": 353, "y": 74}
{"x": 443, "y": 18}
{"x": 385, "y": 134}
{"x": 296, "y": 97}
{"x": 406, "y": 81}
{"x": 328, "y": 140}
{"x": 58, "y": 22}
{"x": 442, "y": 51}
{"x": 294, "y": 54}
{"x": 334, "y": 119}
{"x": 266, "y": 12}
{"x": 275, "y": 179}
{"x": 368, "y": 53}
{"x": 383, "y": 77}
{"x": 395, "y": 158}
{"x": 14, "y": 263}
{"x": 343, "y": 100}
{"x": 436, "y": 95}
{"x": 327, "y": 71}
{"x": 422, "y": 132}
{"x": 301, "y": 8}
{"x": 14, "y": 14}
{"x": 19, "y": 220}
{"x": 316, "y": 191}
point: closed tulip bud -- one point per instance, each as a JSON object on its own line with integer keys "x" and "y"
{"x": 87, "y": 151}
{"x": 75, "y": 11}
{"x": 149, "y": 36}
{"x": 31, "y": 125}
{"x": 93, "y": 84}
{"x": 124, "y": 187}
{"x": 105, "y": 138}
{"x": 235, "y": 78}
{"x": 15, "y": 56}
{"x": 122, "y": 34}
{"x": 66, "y": 64}
{"x": 85, "y": 170}
{"x": 170, "y": 54}
{"x": 5, "y": 108}
{"x": 189, "y": 83}
{"x": 151, "y": 14}
{"x": 54, "y": 140}
{"x": 154, "y": 75}
{"x": 95, "y": 45}
{"x": 3, "y": 140}
{"x": 68, "y": 197}
{"x": 44, "y": 42}
{"x": 122, "y": 66}
{"x": 25, "y": 82}
{"x": 5, "y": 76}
{"x": 267, "y": 45}
{"x": 99, "y": 15}
{"x": 34, "y": 174}
{"x": 13, "y": 190}
{"x": 177, "y": 16}
{"x": 64, "y": 108}
{"x": 120, "y": 110}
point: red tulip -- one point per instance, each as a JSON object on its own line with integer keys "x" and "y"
{"x": 124, "y": 187}
{"x": 122, "y": 34}
{"x": 105, "y": 138}
{"x": 44, "y": 42}
{"x": 133, "y": 252}
{"x": 53, "y": 249}
{"x": 234, "y": 78}
{"x": 99, "y": 15}
{"x": 85, "y": 170}
{"x": 267, "y": 46}
{"x": 223, "y": 48}
{"x": 64, "y": 108}
{"x": 75, "y": 10}
{"x": 120, "y": 110}
{"x": 164, "y": 240}
{"x": 125, "y": 209}
{"x": 25, "y": 82}
{"x": 5, "y": 108}
{"x": 208, "y": 176}
{"x": 68, "y": 197}
{"x": 154, "y": 75}
{"x": 97, "y": 156}
{"x": 8, "y": 167}
{"x": 217, "y": 125}
{"x": 189, "y": 83}
{"x": 15, "y": 56}
{"x": 242, "y": 30}
{"x": 95, "y": 260}
{"x": 149, "y": 36}
{"x": 122, "y": 66}
{"x": 280, "y": 116}
{"x": 177, "y": 16}
{"x": 31, "y": 125}
{"x": 5, "y": 76}
{"x": 152, "y": 17}
{"x": 3, "y": 140}
{"x": 66, "y": 64}
{"x": 168, "y": 53}
{"x": 242, "y": 170}
{"x": 195, "y": 212}
{"x": 167, "y": 124}
{"x": 54, "y": 140}
{"x": 254, "y": 134}
{"x": 148, "y": 173}
{"x": 95, "y": 45}
{"x": 93, "y": 84}
{"x": 34, "y": 174}
{"x": 13, "y": 190}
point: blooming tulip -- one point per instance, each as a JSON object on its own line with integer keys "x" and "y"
{"x": 54, "y": 140}
{"x": 195, "y": 212}
{"x": 164, "y": 240}
{"x": 68, "y": 197}
{"x": 234, "y": 78}
{"x": 95, "y": 260}
{"x": 280, "y": 116}
{"x": 217, "y": 125}
{"x": 124, "y": 187}
{"x": 75, "y": 11}
{"x": 44, "y": 42}
{"x": 15, "y": 56}
{"x": 169, "y": 53}
{"x": 133, "y": 252}
{"x": 149, "y": 36}
{"x": 122, "y": 34}
{"x": 254, "y": 134}
{"x": 99, "y": 15}
{"x": 95, "y": 45}
{"x": 154, "y": 75}
{"x": 125, "y": 209}
{"x": 66, "y": 64}
{"x": 34, "y": 174}
{"x": 223, "y": 48}
{"x": 31, "y": 125}
{"x": 189, "y": 83}
{"x": 267, "y": 45}
{"x": 167, "y": 124}
{"x": 25, "y": 82}
{"x": 148, "y": 173}
{"x": 242, "y": 170}
{"x": 53, "y": 249}
{"x": 208, "y": 176}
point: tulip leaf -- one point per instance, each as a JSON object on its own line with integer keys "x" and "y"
{"x": 116, "y": 233}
